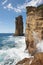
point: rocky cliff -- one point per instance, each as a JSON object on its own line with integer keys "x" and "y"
{"x": 34, "y": 27}
{"x": 34, "y": 34}
{"x": 19, "y": 26}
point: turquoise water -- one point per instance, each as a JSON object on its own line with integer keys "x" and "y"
{"x": 12, "y": 49}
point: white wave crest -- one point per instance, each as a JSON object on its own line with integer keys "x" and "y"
{"x": 12, "y": 55}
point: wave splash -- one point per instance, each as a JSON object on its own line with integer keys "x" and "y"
{"x": 13, "y": 50}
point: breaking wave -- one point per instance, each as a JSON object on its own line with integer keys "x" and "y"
{"x": 12, "y": 50}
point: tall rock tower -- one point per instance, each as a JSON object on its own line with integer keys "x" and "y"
{"x": 19, "y": 26}
{"x": 34, "y": 27}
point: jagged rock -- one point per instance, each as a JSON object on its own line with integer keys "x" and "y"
{"x": 34, "y": 27}
{"x": 36, "y": 60}
{"x": 24, "y": 61}
{"x": 19, "y": 26}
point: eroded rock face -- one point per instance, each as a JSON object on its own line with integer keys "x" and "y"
{"x": 36, "y": 60}
{"x": 19, "y": 26}
{"x": 25, "y": 61}
{"x": 34, "y": 27}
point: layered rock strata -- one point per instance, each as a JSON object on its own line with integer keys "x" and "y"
{"x": 34, "y": 27}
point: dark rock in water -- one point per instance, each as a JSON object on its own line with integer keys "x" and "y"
{"x": 34, "y": 25}
{"x": 18, "y": 35}
{"x": 19, "y": 26}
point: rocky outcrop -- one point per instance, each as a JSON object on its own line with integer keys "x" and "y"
{"x": 19, "y": 26}
{"x": 34, "y": 33}
{"x": 25, "y": 61}
{"x": 36, "y": 60}
{"x": 34, "y": 27}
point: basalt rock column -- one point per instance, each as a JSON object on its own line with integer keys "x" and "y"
{"x": 34, "y": 27}
{"x": 19, "y": 26}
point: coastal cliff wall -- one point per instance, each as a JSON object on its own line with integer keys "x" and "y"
{"x": 19, "y": 26}
{"x": 33, "y": 34}
{"x": 34, "y": 27}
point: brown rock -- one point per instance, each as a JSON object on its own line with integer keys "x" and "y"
{"x": 32, "y": 49}
{"x": 19, "y": 26}
{"x": 34, "y": 25}
{"x": 24, "y": 61}
{"x": 38, "y": 59}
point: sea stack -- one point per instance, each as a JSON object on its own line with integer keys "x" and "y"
{"x": 34, "y": 27}
{"x": 19, "y": 26}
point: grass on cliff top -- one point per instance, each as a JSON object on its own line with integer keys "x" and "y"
{"x": 40, "y": 6}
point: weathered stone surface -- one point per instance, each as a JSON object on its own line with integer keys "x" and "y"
{"x": 34, "y": 33}
{"x": 32, "y": 49}
{"x": 34, "y": 27}
{"x": 25, "y": 61}
{"x": 36, "y": 60}
{"x": 19, "y": 26}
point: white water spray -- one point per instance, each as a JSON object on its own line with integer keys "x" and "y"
{"x": 38, "y": 43}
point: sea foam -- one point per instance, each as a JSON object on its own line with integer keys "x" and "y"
{"x": 12, "y": 55}
{"x": 13, "y": 50}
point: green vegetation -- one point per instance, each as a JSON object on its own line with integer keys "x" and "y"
{"x": 40, "y": 6}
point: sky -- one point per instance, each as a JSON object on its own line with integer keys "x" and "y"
{"x": 9, "y": 9}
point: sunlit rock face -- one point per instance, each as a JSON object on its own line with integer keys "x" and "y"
{"x": 36, "y": 60}
{"x": 19, "y": 26}
{"x": 34, "y": 27}
{"x": 25, "y": 61}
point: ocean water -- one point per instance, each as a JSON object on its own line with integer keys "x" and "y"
{"x": 12, "y": 49}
